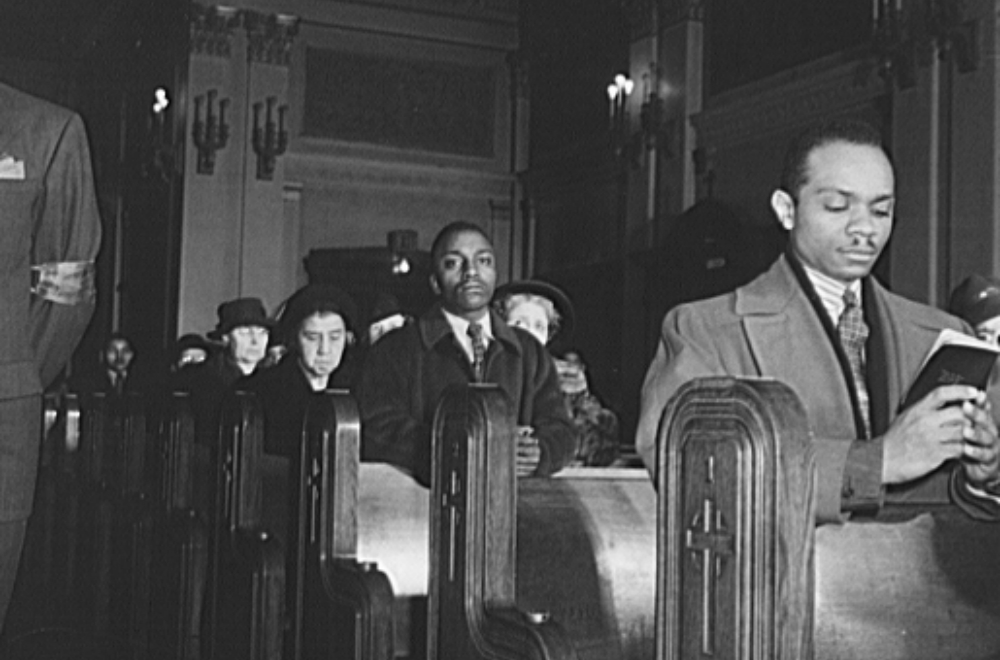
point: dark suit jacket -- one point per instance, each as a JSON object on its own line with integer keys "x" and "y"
{"x": 408, "y": 370}
{"x": 770, "y": 328}
{"x": 48, "y": 215}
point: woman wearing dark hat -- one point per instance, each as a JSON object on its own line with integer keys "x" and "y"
{"x": 243, "y": 330}
{"x": 977, "y": 301}
{"x": 546, "y": 312}
{"x": 316, "y": 326}
{"x": 386, "y": 316}
{"x": 191, "y": 349}
{"x": 187, "y": 359}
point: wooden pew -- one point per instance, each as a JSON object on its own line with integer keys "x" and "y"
{"x": 923, "y": 587}
{"x": 734, "y": 576}
{"x": 180, "y": 551}
{"x": 115, "y": 525}
{"x": 245, "y": 610}
{"x": 341, "y": 608}
{"x": 917, "y": 583}
{"x": 586, "y": 542}
{"x": 48, "y": 561}
{"x": 132, "y": 543}
{"x": 472, "y": 611}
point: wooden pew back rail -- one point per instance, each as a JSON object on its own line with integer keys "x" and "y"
{"x": 735, "y": 484}
{"x": 472, "y": 611}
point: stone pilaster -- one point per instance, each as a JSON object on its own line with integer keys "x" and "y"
{"x": 268, "y": 269}
{"x": 212, "y": 233}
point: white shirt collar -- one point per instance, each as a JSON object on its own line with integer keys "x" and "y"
{"x": 460, "y": 328}
{"x": 831, "y": 292}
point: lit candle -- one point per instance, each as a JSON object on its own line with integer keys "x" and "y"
{"x": 612, "y": 93}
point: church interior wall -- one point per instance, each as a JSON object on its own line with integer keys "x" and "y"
{"x": 355, "y": 204}
{"x": 745, "y": 131}
{"x": 945, "y": 129}
{"x": 975, "y": 118}
{"x": 399, "y": 117}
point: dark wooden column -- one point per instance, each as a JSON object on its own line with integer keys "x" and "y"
{"x": 735, "y": 540}
{"x": 471, "y": 609}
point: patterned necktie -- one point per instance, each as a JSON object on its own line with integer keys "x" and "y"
{"x": 478, "y": 350}
{"x": 853, "y": 334}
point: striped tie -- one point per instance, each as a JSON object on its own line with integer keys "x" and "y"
{"x": 853, "y": 334}
{"x": 478, "y": 350}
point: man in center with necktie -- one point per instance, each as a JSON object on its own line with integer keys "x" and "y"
{"x": 460, "y": 340}
{"x": 818, "y": 321}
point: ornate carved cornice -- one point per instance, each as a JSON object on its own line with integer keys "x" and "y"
{"x": 639, "y": 16}
{"x": 644, "y": 16}
{"x": 211, "y": 29}
{"x": 269, "y": 37}
{"x": 774, "y": 105}
{"x": 678, "y": 11}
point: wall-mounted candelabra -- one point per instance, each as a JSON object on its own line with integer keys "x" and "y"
{"x": 657, "y": 131}
{"x": 402, "y": 244}
{"x": 654, "y": 131}
{"x": 618, "y": 121}
{"x": 270, "y": 139}
{"x": 905, "y": 35}
{"x": 210, "y": 130}
{"x": 161, "y": 160}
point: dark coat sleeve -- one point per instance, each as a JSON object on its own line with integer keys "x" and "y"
{"x": 545, "y": 409}
{"x": 68, "y": 228}
{"x": 388, "y": 392}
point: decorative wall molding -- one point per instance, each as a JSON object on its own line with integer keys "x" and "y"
{"x": 644, "y": 17}
{"x": 270, "y": 37}
{"x": 639, "y": 16}
{"x": 314, "y": 172}
{"x": 211, "y": 30}
{"x": 438, "y": 107}
{"x": 469, "y": 8}
{"x": 678, "y": 11}
{"x": 772, "y": 106}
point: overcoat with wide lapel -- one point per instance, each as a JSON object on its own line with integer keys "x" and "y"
{"x": 769, "y": 328}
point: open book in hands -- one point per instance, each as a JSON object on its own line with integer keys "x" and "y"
{"x": 955, "y": 359}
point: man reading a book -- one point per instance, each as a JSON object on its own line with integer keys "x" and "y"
{"x": 818, "y": 321}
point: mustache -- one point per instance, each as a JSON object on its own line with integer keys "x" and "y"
{"x": 863, "y": 243}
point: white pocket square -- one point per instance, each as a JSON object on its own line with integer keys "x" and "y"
{"x": 11, "y": 168}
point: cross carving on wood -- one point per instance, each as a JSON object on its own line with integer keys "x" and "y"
{"x": 314, "y": 487}
{"x": 452, "y": 501}
{"x": 710, "y": 543}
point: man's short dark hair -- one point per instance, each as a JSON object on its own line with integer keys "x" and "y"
{"x": 795, "y": 174}
{"x": 118, "y": 336}
{"x": 449, "y": 230}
